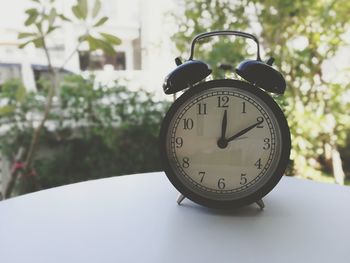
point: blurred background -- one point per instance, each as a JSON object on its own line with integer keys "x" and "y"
{"x": 81, "y": 82}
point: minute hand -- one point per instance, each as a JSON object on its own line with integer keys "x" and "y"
{"x": 238, "y": 134}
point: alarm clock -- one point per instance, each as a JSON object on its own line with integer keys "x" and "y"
{"x": 224, "y": 143}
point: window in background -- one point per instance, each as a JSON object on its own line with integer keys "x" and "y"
{"x": 120, "y": 61}
{"x": 83, "y": 60}
{"x": 96, "y": 60}
{"x": 42, "y": 76}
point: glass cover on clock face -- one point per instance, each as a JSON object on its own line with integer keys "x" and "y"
{"x": 224, "y": 143}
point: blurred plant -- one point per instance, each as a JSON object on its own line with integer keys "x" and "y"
{"x": 303, "y": 35}
{"x": 92, "y": 131}
{"x": 196, "y": 17}
{"x": 43, "y": 19}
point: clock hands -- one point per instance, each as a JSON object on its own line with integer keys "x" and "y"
{"x": 223, "y": 142}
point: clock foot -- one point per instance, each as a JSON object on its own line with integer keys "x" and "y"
{"x": 261, "y": 204}
{"x": 180, "y": 198}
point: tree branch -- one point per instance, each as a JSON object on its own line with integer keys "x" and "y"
{"x": 37, "y": 132}
{"x": 76, "y": 49}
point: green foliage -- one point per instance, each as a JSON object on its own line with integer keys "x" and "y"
{"x": 12, "y": 94}
{"x": 202, "y": 16}
{"x": 44, "y": 19}
{"x": 302, "y": 36}
{"x": 93, "y": 131}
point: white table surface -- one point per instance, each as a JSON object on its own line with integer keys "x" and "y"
{"x": 136, "y": 219}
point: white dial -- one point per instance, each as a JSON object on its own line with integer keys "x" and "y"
{"x": 224, "y": 143}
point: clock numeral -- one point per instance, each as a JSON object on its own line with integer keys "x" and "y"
{"x": 179, "y": 142}
{"x": 188, "y": 124}
{"x": 261, "y": 120}
{"x": 243, "y": 107}
{"x": 267, "y": 144}
{"x": 202, "y": 108}
{"x": 202, "y": 174}
{"x": 185, "y": 162}
{"x": 223, "y": 101}
{"x": 243, "y": 179}
{"x": 221, "y": 183}
{"x": 258, "y": 164}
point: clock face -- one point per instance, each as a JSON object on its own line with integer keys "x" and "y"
{"x": 224, "y": 144}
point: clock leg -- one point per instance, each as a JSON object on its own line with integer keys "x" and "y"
{"x": 180, "y": 198}
{"x": 261, "y": 204}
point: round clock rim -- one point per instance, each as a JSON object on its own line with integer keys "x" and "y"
{"x": 281, "y": 166}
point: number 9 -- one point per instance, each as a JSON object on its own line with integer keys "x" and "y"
{"x": 179, "y": 142}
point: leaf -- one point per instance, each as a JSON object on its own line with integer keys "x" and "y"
{"x": 101, "y": 21}
{"x": 31, "y": 19}
{"x": 83, "y": 8}
{"x": 96, "y": 9}
{"x": 31, "y": 11}
{"x": 51, "y": 28}
{"x": 8, "y": 109}
{"x": 76, "y": 12}
{"x": 24, "y": 44}
{"x": 105, "y": 46}
{"x": 38, "y": 42}
{"x": 111, "y": 38}
{"x": 92, "y": 42}
{"x": 25, "y": 35}
{"x": 64, "y": 18}
{"x": 82, "y": 38}
{"x": 95, "y": 43}
{"x": 52, "y": 16}
{"x": 39, "y": 26}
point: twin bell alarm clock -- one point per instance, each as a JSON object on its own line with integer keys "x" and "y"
{"x": 224, "y": 143}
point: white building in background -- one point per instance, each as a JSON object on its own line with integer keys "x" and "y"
{"x": 143, "y": 59}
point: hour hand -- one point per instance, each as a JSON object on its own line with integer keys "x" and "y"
{"x": 238, "y": 134}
